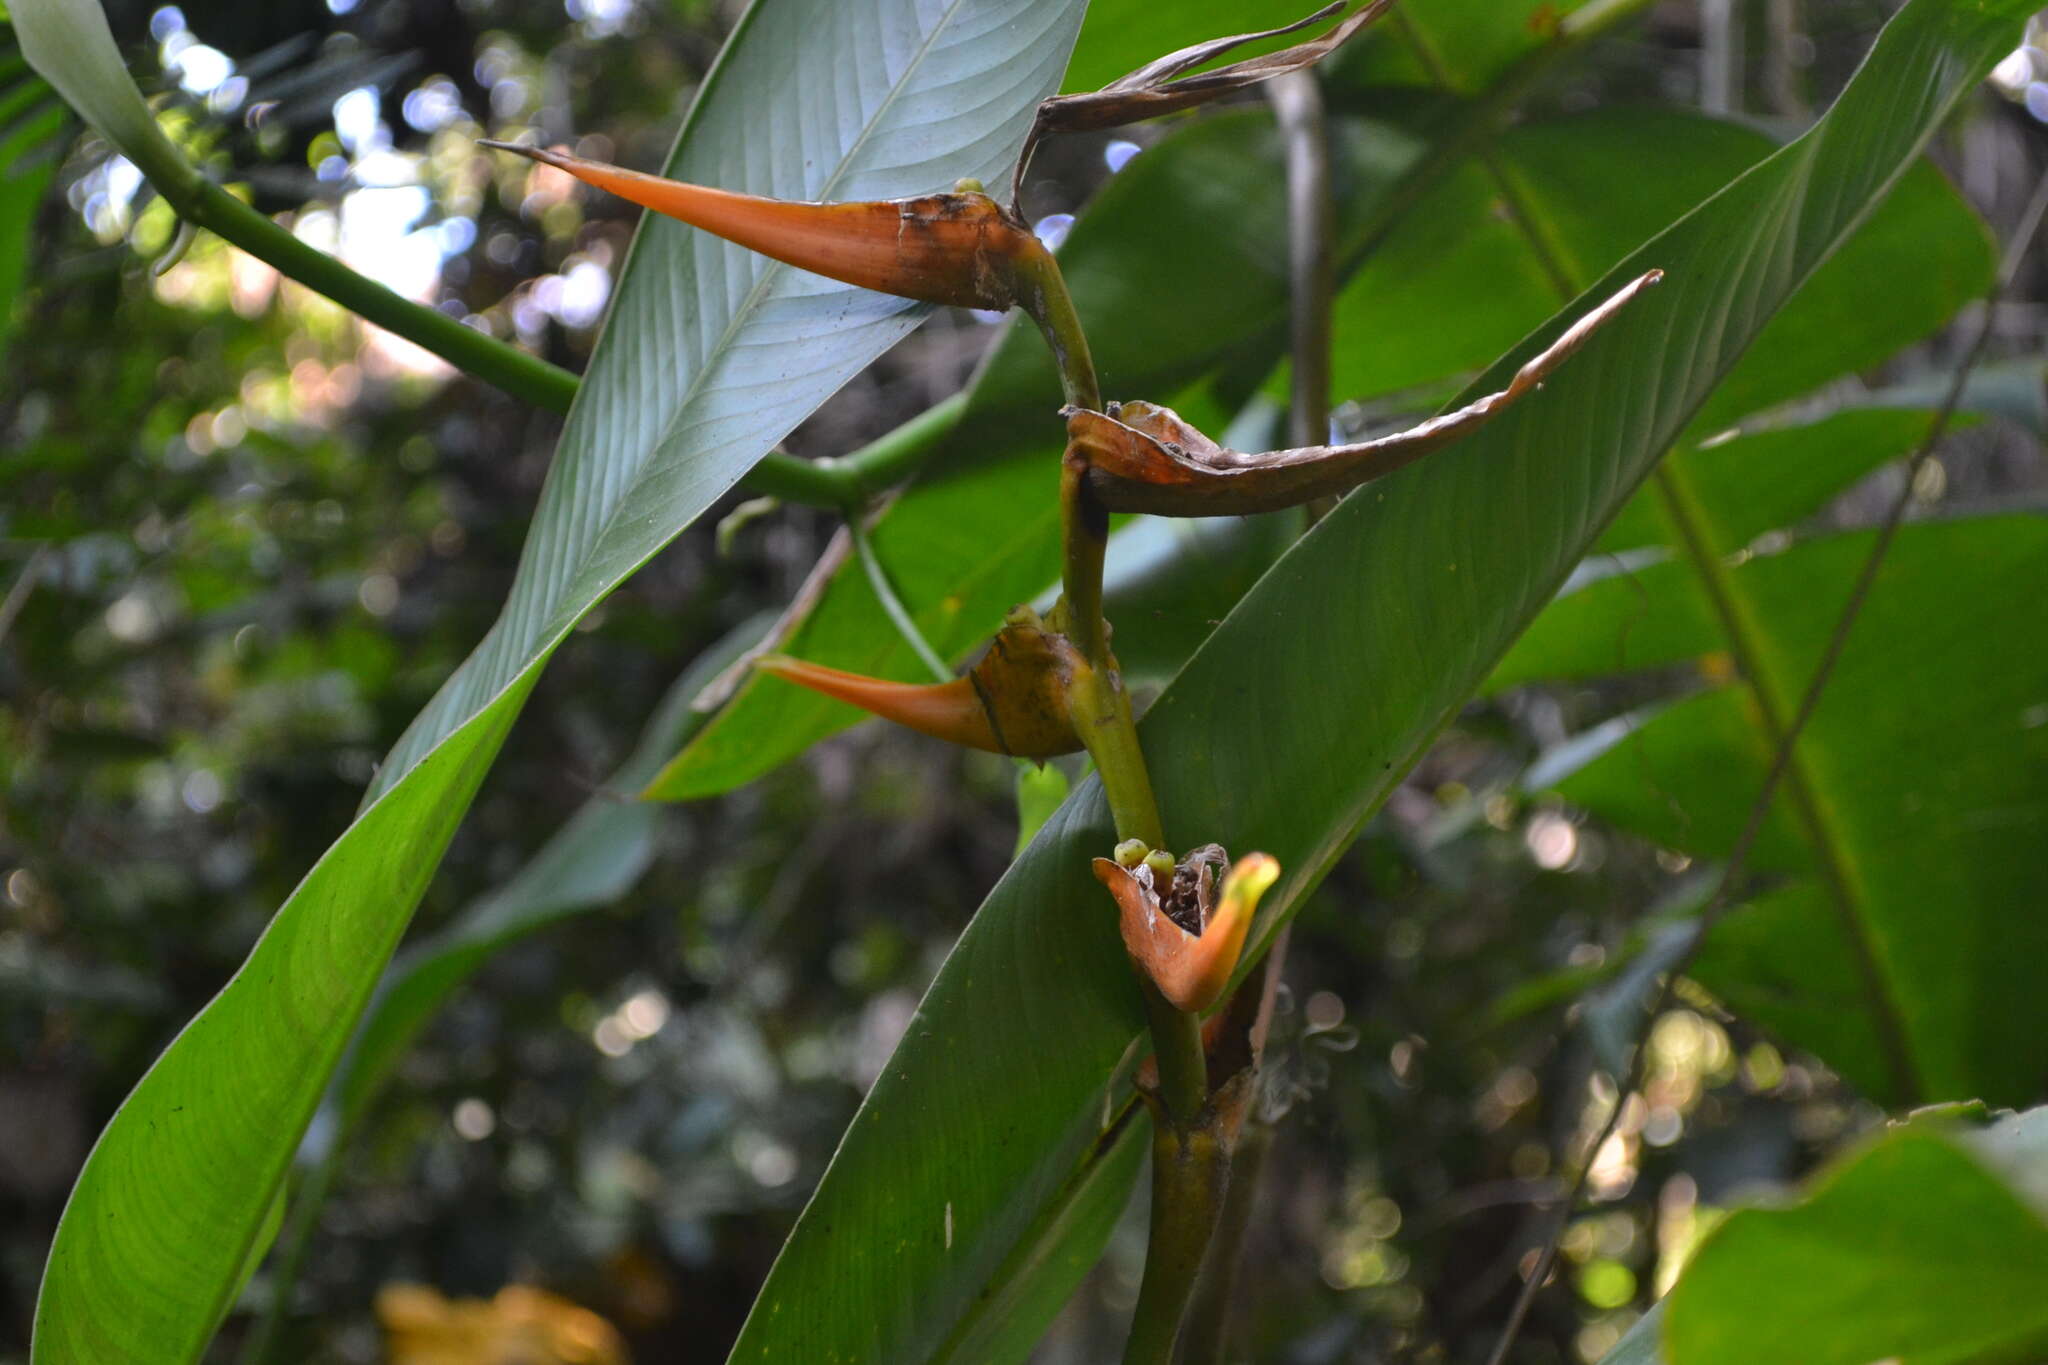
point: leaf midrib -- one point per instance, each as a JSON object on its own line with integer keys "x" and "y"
{"x": 694, "y": 389}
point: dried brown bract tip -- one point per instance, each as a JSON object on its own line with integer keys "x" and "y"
{"x": 1141, "y": 457}
{"x": 1152, "y": 89}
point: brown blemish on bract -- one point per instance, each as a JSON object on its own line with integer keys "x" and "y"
{"x": 1142, "y": 457}
{"x": 960, "y": 249}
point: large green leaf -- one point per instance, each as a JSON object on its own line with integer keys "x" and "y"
{"x": 710, "y": 356}
{"x": 1483, "y": 277}
{"x": 1922, "y": 821}
{"x": 1848, "y": 928}
{"x": 1776, "y": 477}
{"x": 1929, "y": 1246}
{"x": 1030, "y": 1288}
{"x": 1470, "y": 42}
{"x": 1639, "y": 1345}
{"x": 589, "y": 863}
{"x": 1295, "y": 719}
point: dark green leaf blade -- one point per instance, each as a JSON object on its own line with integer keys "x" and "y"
{"x": 1928, "y": 764}
{"x": 1918, "y": 1248}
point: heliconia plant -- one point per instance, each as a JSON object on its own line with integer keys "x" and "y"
{"x": 1050, "y": 686}
{"x": 1190, "y": 924}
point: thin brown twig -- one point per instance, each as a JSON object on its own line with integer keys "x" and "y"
{"x": 1809, "y": 702}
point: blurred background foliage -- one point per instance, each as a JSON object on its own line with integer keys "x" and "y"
{"x": 243, "y": 538}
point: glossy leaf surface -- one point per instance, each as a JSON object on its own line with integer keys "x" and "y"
{"x": 1927, "y": 764}
{"x": 709, "y": 357}
{"x": 1414, "y": 588}
{"x": 1925, "y": 1247}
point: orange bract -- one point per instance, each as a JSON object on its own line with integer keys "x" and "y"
{"x": 1013, "y": 702}
{"x": 1191, "y": 970}
{"x": 959, "y": 249}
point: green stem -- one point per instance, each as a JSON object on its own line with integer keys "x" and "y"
{"x": 1190, "y": 1159}
{"x": 1101, "y": 712}
{"x": 1190, "y": 1178}
{"x": 878, "y": 466}
{"x": 1096, "y": 700}
{"x": 1084, "y": 545}
{"x": 204, "y": 204}
{"x": 1046, "y": 299}
{"x": 200, "y": 202}
{"x": 1208, "y": 1324}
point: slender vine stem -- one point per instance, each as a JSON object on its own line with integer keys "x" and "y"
{"x": 199, "y": 202}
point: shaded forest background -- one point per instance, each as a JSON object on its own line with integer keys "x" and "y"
{"x": 246, "y": 538}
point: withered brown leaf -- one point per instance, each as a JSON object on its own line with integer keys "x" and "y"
{"x": 1151, "y": 90}
{"x": 1141, "y": 457}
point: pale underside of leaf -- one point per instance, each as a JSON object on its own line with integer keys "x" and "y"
{"x": 709, "y": 357}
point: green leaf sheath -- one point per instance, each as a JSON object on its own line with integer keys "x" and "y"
{"x": 1291, "y": 724}
{"x": 710, "y": 356}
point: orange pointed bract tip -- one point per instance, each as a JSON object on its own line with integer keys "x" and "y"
{"x": 1141, "y": 457}
{"x": 1012, "y": 702}
{"x": 1191, "y": 970}
{"x": 958, "y": 249}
